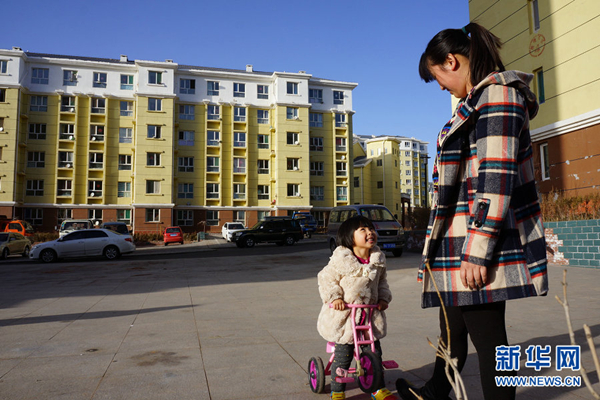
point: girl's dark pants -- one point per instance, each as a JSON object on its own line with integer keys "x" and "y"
{"x": 485, "y": 324}
{"x": 344, "y": 353}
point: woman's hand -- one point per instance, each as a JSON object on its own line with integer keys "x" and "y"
{"x": 473, "y": 276}
{"x": 382, "y": 305}
{"x": 338, "y": 305}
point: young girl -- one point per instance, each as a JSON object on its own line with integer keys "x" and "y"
{"x": 355, "y": 274}
{"x": 485, "y": 242}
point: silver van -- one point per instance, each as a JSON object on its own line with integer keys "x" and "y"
{"x": 390, "y": 234}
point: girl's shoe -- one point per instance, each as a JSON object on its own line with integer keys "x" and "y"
{"x": 338, "y": 395}
{"x": 383, "y": 394}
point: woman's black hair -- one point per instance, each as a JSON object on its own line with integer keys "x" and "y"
{"x": 345, "y": 235}
{"x": 482, "y": 49}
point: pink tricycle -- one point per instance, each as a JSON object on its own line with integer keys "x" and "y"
{"x": 368, "y": 369}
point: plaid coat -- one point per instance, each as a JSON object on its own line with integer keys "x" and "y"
{"x": 486, "y": 210}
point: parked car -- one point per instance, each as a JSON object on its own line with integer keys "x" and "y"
{"x": 120, "y": 227}
{"x": 390, "y": 234}
{"x": 172, "y": 234}
{"x": 279, "y": 230}
{"x": 229, "y": 228}
{"x": 70, "y": 225}
{"x": 18, "y": 226}
{"x": 84, "y": 243}
{"x": 14, "y": 243}
{"x": 307, "y": 222}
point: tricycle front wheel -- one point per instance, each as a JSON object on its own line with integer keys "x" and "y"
{"x": 316, "y": 375}
{"x": 372, "y": 379}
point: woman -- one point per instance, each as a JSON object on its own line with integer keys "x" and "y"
{"x": 485, "y": 242}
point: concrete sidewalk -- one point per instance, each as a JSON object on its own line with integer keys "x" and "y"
{"x": 230, "y": 325}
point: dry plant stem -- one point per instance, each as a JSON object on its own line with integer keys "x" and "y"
{"x": 444, "y": 352}
{"x": 565, "y": 304}
{"x": 590, "y": 340}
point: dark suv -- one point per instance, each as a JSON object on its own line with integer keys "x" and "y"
{"x": 280, "y": 230}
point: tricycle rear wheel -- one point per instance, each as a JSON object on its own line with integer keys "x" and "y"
{"x": 316, "y": 375}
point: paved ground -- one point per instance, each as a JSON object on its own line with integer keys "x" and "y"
{"x": 210, "y": 321}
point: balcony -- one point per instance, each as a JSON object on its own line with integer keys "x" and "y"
{"x": 96, "y": 138}
{"x": 340, "y": 172}
{"x": 94, "y": 193}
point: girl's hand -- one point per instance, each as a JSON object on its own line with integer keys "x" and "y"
{"x": 338, "y": 304}
{"x": 382, "y": 305}
{"x": 473, "y": 276}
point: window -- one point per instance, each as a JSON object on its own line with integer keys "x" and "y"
{"x": 65, "y": 159}
{"x": 185, "y": 217}
{"x": 408, "y": 191}
{"x": 124, "y": 189}
{"x": 187, "y": 111}
{"x": 293, "y": 190}
{"x": 239, "y": 114}
{"x": 292, "y": 88}
{"x": 292, "y": 113}
{"x": 153, "y": 159}
{"x": 40, "y": 75}
{"x": 340, "y": 144}
{"x": 239, "y": 139}
{"x": 315, "y": 120}
{"x": 124, "y": 216}
{"x": 416, "y": 192}
{"x": 94, "y": 188}
{"x": 379, "y": 184}
{"x": 67, "y": 104}
{"x": 3, "y": 66}
{"x": 293, "y": 164}
{"x": 239, "y": 191}
{"x": 338, "y": 97}
{"x": 154, "y": 131}
{"x": 315, "y": 95}
{"x": 263, "y": 166}
{"x": 212, "y": 218}
{"x": 239, "y": 89}
{"x": 263, "y": 141}
{"x": 185, "y": 164}
{"x": 96, "y": 160}
{"x": 152, "y": 187}
{"x": 408, "y": 172}
{"x": 69, "y": 78}
{"x": 212, "y": 190}
{"x": 66, "y": 132}
{"x": 64, "y": 213}
{"x": 293, "y": 138}
{"x": 186, "y": 138}
{"x": 262, "y": 116}
{"x": 357, "y": 182}
{"x": 98, "y": 105}
{"x": 408, "y": 181}
{"x": 97, "y": 133}
{"x": 317, "y": 193}
{"x": 187, "y": 86}
{"x": 154, "y": 78}
{"x": 124, "y": 162}
{"x": 126, "y": 82}
{"x": 342, "y": 193}
{"x": 416, "y": 164}
{"x": 3, "y": 96}
{"x": 212, "y": 164}
{"x": 407, "y": 153}
{"x": 316, "y": 168}
{"x": 212, "y": 138}
{"x": 185, "y": 191}
{"x": 239, "y": 165}
{"x": 63, "y": 187}
{"x": 126, "y": 108}
{"x": 316, "y": 144}
{"x": 154, "y": 104}
{"x": 34, "y": 188}
{"x": 125, "y": 135}
{"x": 212, "y": 88}
{"x": 152, "y": 215}
{"x": 379, "y": 163}
{"x": 262, "y": 91}
{"x": 38, "y": 103}
{"x": 239, "y": 216}
{"x": 535, "y": 15}
{"x": 407, "y": 163}
{"x": 545, "y": 161}
{"x": 263, "y": 192}
{"x": 33, "y": 215}
{"x": 213, "y": 112}
{"x": 340, "y": 120}
{"x": 99, "y": 79}
{"x": 340, "y": 168}
{"x": 539, "y": 85}
{"x": 37, "y": 131}
{"x": 36, "y": 159}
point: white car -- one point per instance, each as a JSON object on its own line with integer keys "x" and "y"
{"x": 84, "y": 243}
{"x": 229, "y": 228}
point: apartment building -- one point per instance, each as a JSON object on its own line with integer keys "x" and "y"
{"x": 389, "y": 170}
{"x": 155, "y": 143}
{"x": 558, "y": 42}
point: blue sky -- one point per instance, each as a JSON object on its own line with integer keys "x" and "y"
{"x": 376, "y": 44}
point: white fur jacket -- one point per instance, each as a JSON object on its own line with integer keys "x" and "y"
{"x": 347, "y": 279}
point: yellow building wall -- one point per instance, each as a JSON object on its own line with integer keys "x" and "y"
{"x": 8, "y": 143}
